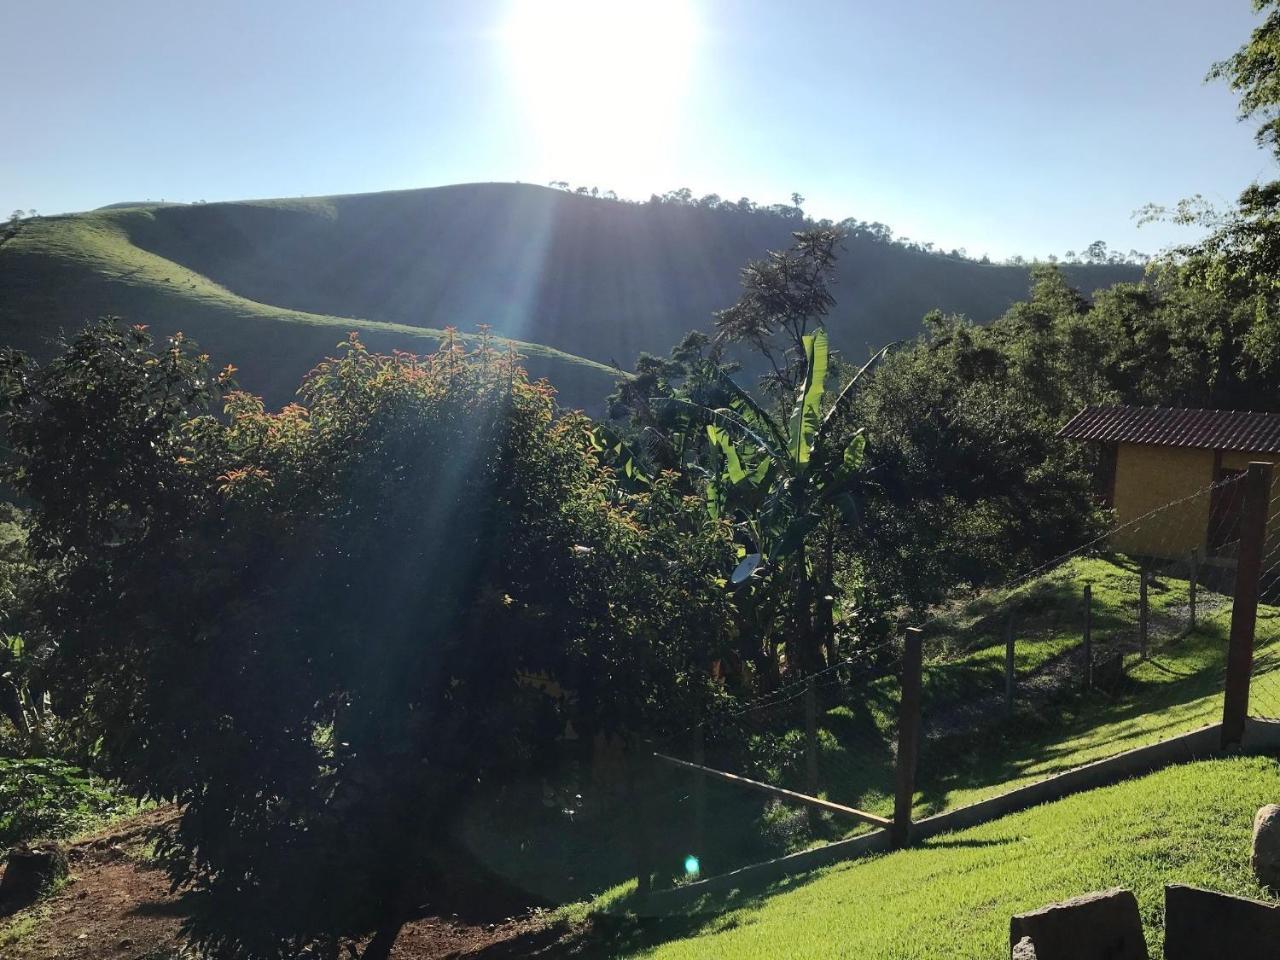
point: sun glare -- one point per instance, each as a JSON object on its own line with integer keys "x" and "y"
{"x": 602, "y": 83}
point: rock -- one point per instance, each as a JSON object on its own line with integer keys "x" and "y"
{"x": 32, "y": 871}
{"x": 1203, "y": 925}
{"x": 1100, "y": 926}
{"x": 1024, "y": 949}
{"x": 1266, "y": 846}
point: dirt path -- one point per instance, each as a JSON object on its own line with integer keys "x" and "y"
{"x": 117, "y": 906}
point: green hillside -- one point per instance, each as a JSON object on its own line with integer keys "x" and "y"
{"x": 953, "y": 896}
{"x": 59, "y": 272}
{"x": 580, "y": 281}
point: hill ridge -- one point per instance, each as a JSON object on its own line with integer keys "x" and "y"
{"x": 579, "y": 281}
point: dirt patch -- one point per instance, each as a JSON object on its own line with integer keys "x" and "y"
{"x": 117, "y": 906}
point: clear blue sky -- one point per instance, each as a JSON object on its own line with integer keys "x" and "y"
{"x": 1004, "y": 126}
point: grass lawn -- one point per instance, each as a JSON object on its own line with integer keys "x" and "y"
{"x": 972, "y": 750}
{"x": 953, "y": 896}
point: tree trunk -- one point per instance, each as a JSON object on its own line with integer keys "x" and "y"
{"x": 11, "y": 706}
{"x": 379, "y": 948}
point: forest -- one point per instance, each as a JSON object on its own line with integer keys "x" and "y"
{"x": 334, "y": 634}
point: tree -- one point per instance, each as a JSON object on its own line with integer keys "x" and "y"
{"x": 797, "y": 200}
{"x": 782, "y": 296}
{"x": 1252, "y": 72}
{"x": 320, "y": 630}
{"x": 780, "y": 482}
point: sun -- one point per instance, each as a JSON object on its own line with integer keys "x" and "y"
{"x": 602, "y": 83}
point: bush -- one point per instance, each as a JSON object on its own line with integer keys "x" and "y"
{"x": 44, "y": 798}
{"x": 329, "y": 631}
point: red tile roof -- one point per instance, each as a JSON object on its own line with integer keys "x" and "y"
{"x": 1172, "y": 427}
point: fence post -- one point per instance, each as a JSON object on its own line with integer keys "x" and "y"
{"x": 1142, "y": 611}
{"x": 908, "y": 736}
{"x": 811, "y": 747}
{"x": 1008, "y": 667}
{"x": 1244, "y": 605}
{"x": 638, "y": 784}
{"x": 1192, "y": 586}
{"x": 1088, "y": 636}
{"x": 699, "y": 788}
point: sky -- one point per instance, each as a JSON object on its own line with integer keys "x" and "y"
{"x": 1001, "y": 126}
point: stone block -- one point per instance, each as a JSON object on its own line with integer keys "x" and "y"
{"x": 1266, "y": 846}
{"x": 1096, "y": 926}
{"x": 1204, "y": 925}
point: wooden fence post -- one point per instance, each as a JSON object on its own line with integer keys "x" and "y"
{"x": 1008, "y": 667}
{"x": 699, "y": 789}
{"x": 1244, "y": 605}
{"x": 638, "y": 783}
{"x": 1143, "y": 612}
{"x": 908, "y": 736}
{"x": 1088, "y": 636}
{"x": 811, "y": 747}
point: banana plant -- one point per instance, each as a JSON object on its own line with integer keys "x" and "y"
{"x": 778, "y": 481}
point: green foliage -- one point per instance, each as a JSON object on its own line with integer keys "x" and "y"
{"x": 967, "y": 481}
{"x": 1251, "y": 72}
{"x": 46, "y": 798}
{"x": 329, "y": 631}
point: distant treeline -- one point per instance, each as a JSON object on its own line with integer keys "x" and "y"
{"x": 1097, "y": 252}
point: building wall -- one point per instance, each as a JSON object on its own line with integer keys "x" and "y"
{"x": 1148, "y": 477}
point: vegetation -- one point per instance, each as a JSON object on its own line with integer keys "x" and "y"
{"x": 322, "y": 638}
{"x": 577, "y": 283}
{"x": 953, "y": 896}
{"x": 46, "y": 798}
{"x": 374, "y": 634}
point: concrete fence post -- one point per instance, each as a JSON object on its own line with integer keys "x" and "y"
{"x": 1244, "y": 603}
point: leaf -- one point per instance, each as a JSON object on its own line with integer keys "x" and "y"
{"x": 794, "y": 536}
{"x": 720, "y": 416}
{"x": 733, "y": 464}
{"x": 750, "y": 411}
{"x": 848, "y": 393}
{"x": 807, "y": 416}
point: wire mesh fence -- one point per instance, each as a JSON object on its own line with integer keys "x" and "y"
{"x": 1119, "y": 644}
{"x": 831, "y": 736}
{"x": 1264, "y": 693}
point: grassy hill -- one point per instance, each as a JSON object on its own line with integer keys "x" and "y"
{"x": 271, "y": 285}
{"x": 953, "y": 896}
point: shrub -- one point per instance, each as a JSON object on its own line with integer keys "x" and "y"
{"x": 45, "y": 798}
{"x": 328, "y": 631}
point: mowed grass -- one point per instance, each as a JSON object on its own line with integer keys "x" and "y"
{"x": 953, "y": 897}
{"x": 972, "y": 750}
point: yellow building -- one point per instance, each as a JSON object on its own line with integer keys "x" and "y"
{"x": 1181, "y": 461}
